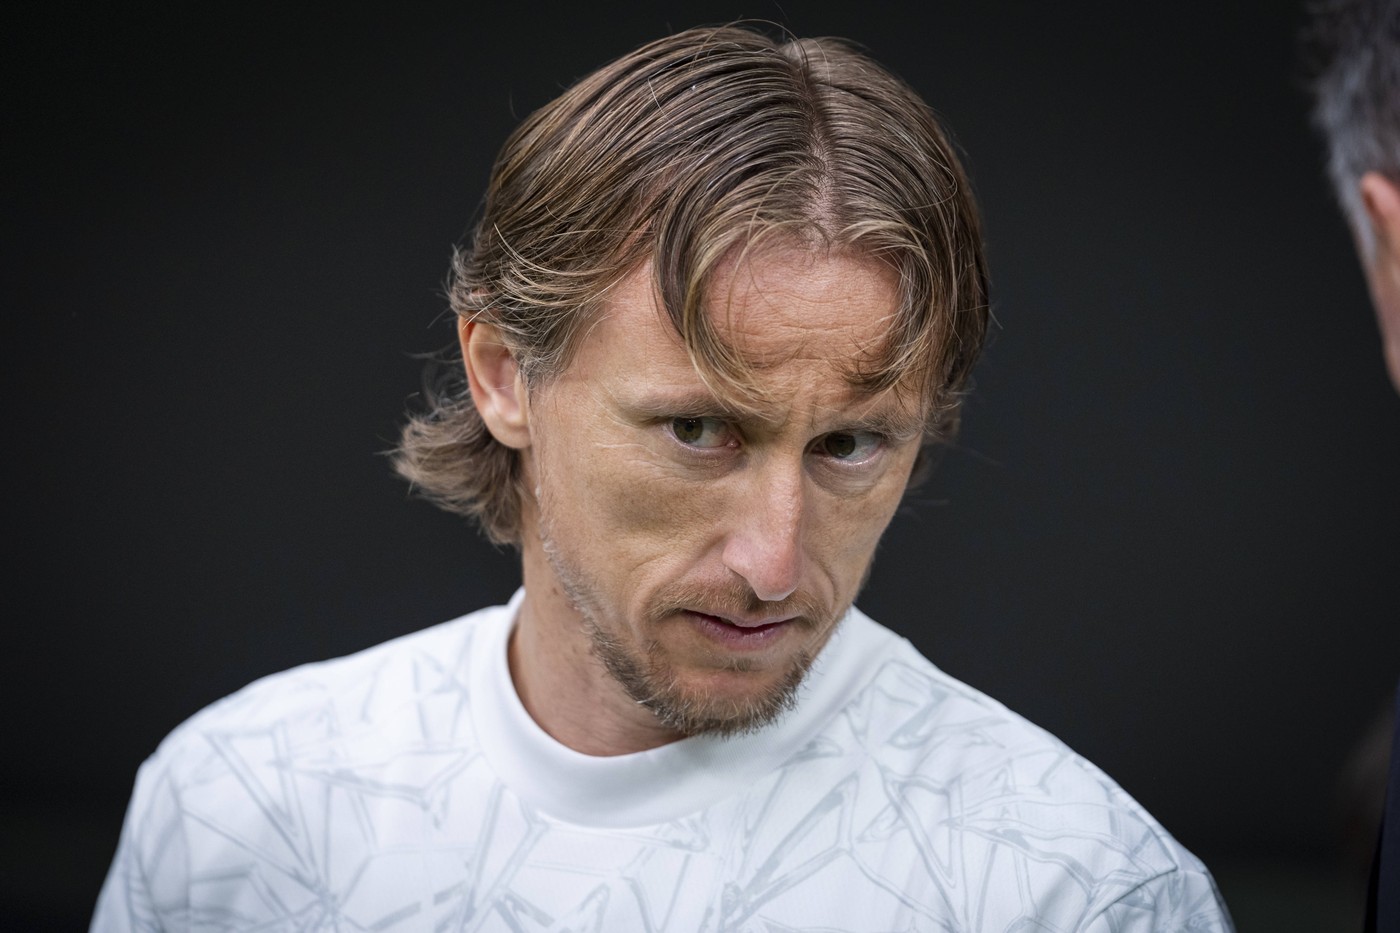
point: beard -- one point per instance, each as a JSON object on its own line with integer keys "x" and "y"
{"x": 651, "y": 683}
{"x": 645, "y": 672}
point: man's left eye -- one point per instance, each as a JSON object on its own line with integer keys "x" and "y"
{"x": 700, "y": 432}
{"x": 849, "y": 445}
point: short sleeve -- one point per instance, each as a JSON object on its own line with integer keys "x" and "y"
{"x": 1181, "y": 901}
{"x": 146, "y": 887}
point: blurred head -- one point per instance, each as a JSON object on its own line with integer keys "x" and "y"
{"x": 674, "y": 162}
{"x": 1353, "y": 52}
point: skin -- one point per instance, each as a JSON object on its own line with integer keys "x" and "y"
{"x": 711, "y": 550}
{"x": 1381, "y": 198}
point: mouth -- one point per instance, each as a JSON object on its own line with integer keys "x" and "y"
{"x": 742, "y": 633}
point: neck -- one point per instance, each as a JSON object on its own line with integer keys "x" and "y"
{"x": 561, "y": 683}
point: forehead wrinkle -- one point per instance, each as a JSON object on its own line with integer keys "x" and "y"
{"x": 760, "y": 311}
{"x": 781, "y": 310}
{"x": 798, "y": 353}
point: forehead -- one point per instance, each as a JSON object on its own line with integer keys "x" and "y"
{"x": 801, "y": 324}
{"x": 773, "y": 307}
{"x": 784, "y": 304}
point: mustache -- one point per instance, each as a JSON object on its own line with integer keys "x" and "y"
{"x": 736, "y": 601}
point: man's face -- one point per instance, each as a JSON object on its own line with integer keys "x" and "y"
{"x": 711, "y": 552}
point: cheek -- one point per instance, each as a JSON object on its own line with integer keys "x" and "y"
{"x": 649, "y": 500}
{"x": 850, "y": 527}
{"x": 633, "y": 507}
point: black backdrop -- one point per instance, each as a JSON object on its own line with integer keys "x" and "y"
{"x": 1169, "y": 533}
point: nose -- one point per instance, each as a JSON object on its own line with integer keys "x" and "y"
{"x": 764, "y": 545}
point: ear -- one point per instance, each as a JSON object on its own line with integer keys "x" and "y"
{"x": 498, "y": 388}
{"x": 1381, "y": 198}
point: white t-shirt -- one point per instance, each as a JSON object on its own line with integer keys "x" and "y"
{"x": 406, "y": 788}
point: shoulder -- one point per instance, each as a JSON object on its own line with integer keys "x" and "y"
{"x": 980, "y": 795}
{"x": 396, "y": 692}
{"x": 356, "y": 688}
{"x": 246, "y": 786}
{"x": 927, "y": 722}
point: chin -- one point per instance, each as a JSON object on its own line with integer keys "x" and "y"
{"x": 724, "y": 702}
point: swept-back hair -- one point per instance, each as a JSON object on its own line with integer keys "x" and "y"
{"x": 1351, "y": 49}
{"x": 683, "y": 152}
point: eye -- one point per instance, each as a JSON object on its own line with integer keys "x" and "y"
{"x": 850, "y": 446}
{"x": 701, "y": 432}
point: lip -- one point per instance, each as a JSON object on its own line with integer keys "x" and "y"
{"x": 740, "y": 632}
{"x": 746, "y": 623}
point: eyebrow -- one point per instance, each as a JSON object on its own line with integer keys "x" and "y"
{"x": 689, "y": 404}
{"x": 897, "y": 426}
{"x": 888, "y": 421}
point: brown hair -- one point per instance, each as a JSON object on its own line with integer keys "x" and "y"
{"x": 1351, "y": 51}
{"x": 681, "y": 152}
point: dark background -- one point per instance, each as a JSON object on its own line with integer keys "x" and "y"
{"x": 1169, "y": 533}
